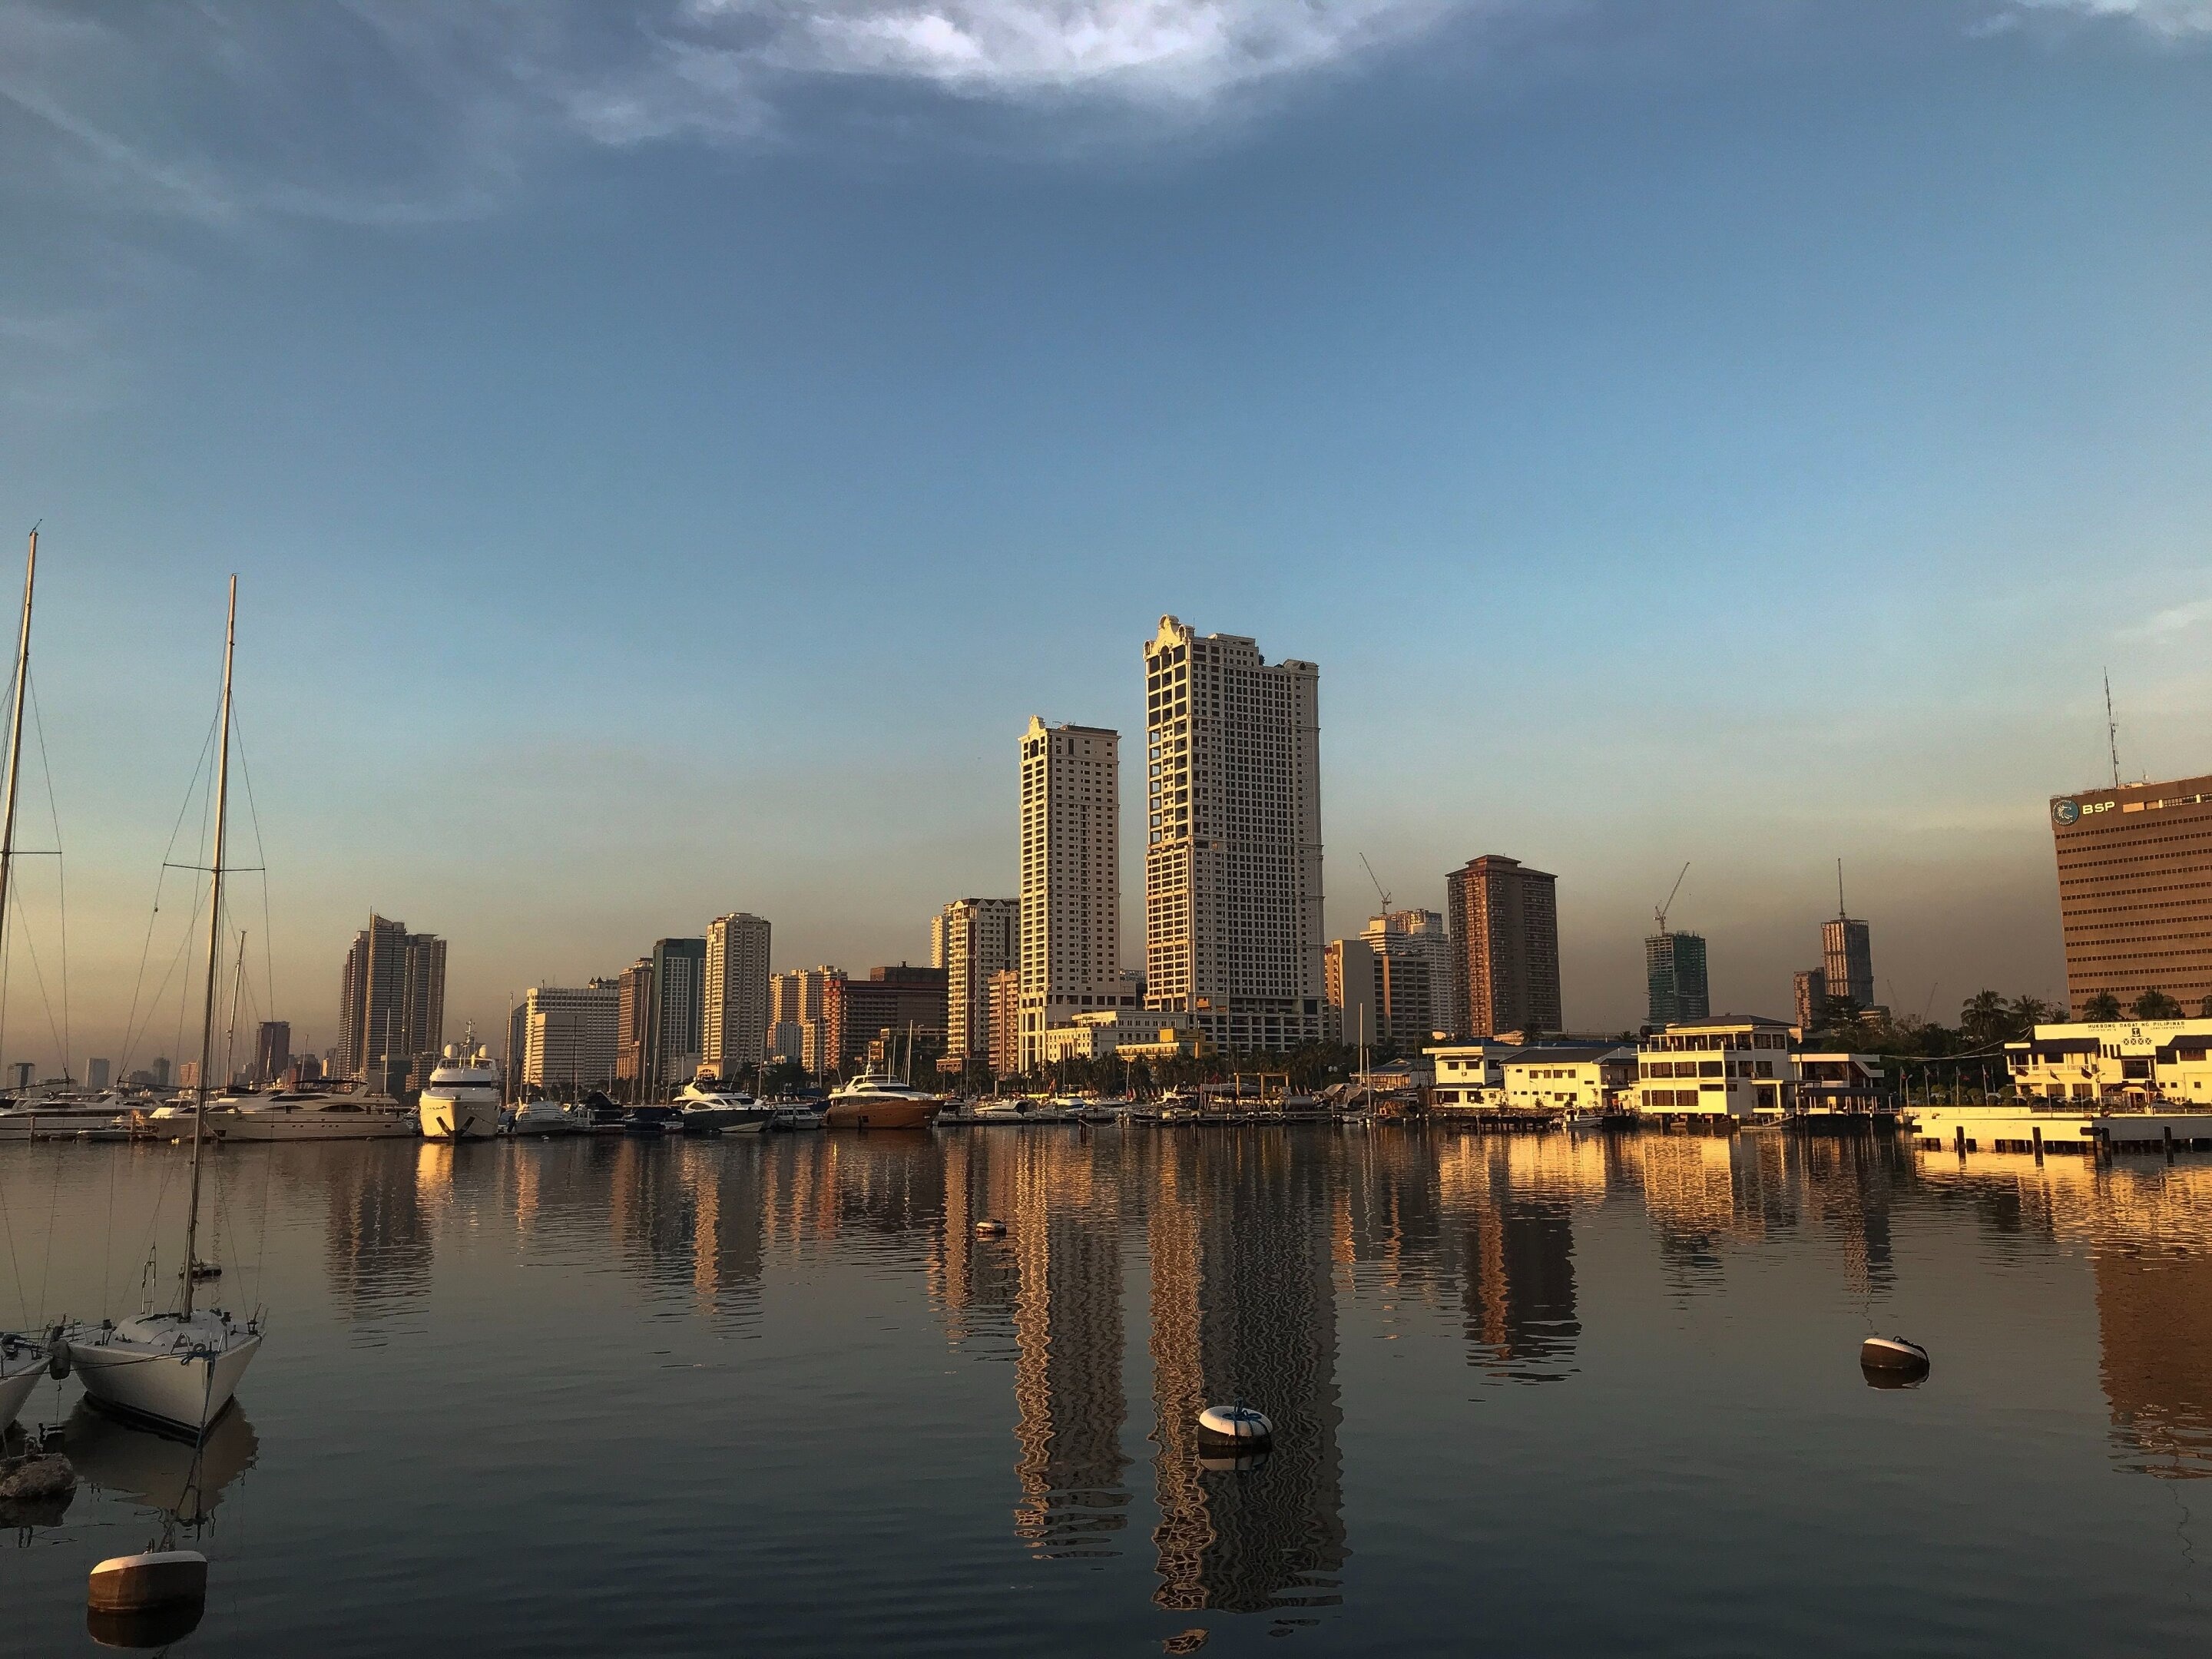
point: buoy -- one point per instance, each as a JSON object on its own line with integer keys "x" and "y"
{"x": 990, "y": 1230}
{"x": 140, "y": 1584}
{"x": 1241, "y": 1425}
{"x": 1893, "y": 1354}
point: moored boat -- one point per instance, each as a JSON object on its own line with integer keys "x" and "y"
{"x": 461, "y": 1102}
{"x": 547, "y": 1117}
{"x": 706, "y": 1106}
{"x": 877, "y": 1100}
{"x": 308, "y": 1115}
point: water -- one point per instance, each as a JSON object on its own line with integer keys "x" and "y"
{"x": 1532, "y": 1396}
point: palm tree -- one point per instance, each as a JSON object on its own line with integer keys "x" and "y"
{"x": 2156, "y": 1005}
{"x": 1985, "y": 1017}
{"x": 2103, "y": 1006}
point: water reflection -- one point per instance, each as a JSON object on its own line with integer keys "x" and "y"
{"x": 2154, "y": 1274}
{"x": 376, "y": 1234}
{"x": 183, "y": 1482}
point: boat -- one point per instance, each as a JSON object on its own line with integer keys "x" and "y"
{"x": 1893, "y": 1354}
{"x": 877, "y": 1100}
{"x": 178, "y": 1369}
{"x": 706, "y": 1106}
{"x": 308, "y": 1115}
{"x": 461, "y": 1101}
{"x": 795, "y": 1114}
{"x": 652, "y": 1120}
{"x": 24, "y": 1358}
{"x": 547, "y": 1117}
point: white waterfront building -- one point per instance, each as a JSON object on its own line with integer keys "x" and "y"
{"x": 1071, "y": 899}
{"x": 733, "y": 1012}
{"x": 568, "y": 1035}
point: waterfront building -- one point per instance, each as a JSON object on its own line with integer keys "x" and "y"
{"x": 892, "y": 1005}
{"x": 972, "y": 940}
{"x": 96, "y": 1073}
{"x": 1006, "y": 1026}
{"x": 1674, "y": 978}
{"x": 1422, "y": 936}
{"x": 1576, "y": 1077}
{"x": 1070, "y": 950}
{"x": 806, "y": 1012}
{"x": 673, "y": 1031}
{"x": 2127, "y": 1061}
{"x": 391, "y": 1002}
{"x": 1847, "y": 959}
{"x": 1505, "y": 922}
{"x": 571, "y": 1036}
{"x": 1727, "y": 1066}
{"x": 1809, "y": 987}
{"x": 1469, "y": 1076}
{"x": 1233, "y": 937}
{"x": 1130, "y": 1033}
{"x": 632, "y": 1023}
{"x": 2134, "y": 891}
{"x": 1841, "y": 1082}
{"x": 273, "y": 1054}
{"x": 733, "y": 1012}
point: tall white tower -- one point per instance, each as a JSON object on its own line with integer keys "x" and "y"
{"x": 1071, "y": 944}
{"x": 733, "y": 1017}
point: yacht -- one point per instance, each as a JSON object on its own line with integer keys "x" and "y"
{"x": 307, "y": 1115}
{"x": 44, "y": 1117}
{"x": 462, "y": 1100}
{"x": 546, "y": 1117}
{"x": 877, "y": 1100}
{"x": 709, "y": 1107}
{"x": 179, "y": 1369}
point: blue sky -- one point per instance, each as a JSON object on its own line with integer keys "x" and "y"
{"x": 669, "y": 453}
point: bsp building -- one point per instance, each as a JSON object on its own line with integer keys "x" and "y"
{"x": 2134, "y": 891}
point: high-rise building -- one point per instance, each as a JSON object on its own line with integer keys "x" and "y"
{"x": 1847, "y": 959}
{"x": 1381, "y": 995}
{"x": 807, "y": 1015}
{"x": 733, "y": 1021}
{"x": 2134, "y": 891}
{"x": 1071, "y": 906}
{"x": 1504, "y": 920}
{"x": 1232, "y": 846}
{"x": 1810, "y": 990}
{"x": 96, "y": 1073}
{"x": 679, "y": 984}
{"x": 570, "y": 1036}
{"x": 272, "y": 1053}
{"x": 392, "y": 1006}
{"x": 633, "y": 1024}
{"x": 972, "y": 940}
{"x": 1006, "y": 1026}
{"x": 1421, "y": 1002}
{"x": 904, "y": 1004}
{"x": 1674, "y": 978}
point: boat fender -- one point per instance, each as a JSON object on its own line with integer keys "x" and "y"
{"x": 157, "y": 1578}
{"x": 1238, "y": 1423}
{"x": 57, "y": 1360}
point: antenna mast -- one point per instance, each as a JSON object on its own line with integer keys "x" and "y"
{"x": 2111, "y": 729}
{"x": 1841, "y": 912}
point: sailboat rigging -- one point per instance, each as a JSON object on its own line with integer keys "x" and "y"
{"x": 178, "y": 1369}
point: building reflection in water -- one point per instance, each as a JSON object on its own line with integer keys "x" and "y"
{"x": 2154, "y": 1272}
{"x": 1509, "y": 1201}
{"x": 688, "y": 1218}
{"x": 1243, "y": 1308}
{"x": 376, "y": 1247}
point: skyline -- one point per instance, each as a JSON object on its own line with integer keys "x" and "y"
{"x": 1564, "y": 387}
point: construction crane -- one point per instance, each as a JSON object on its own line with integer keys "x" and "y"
{"x": 1378, "y": 880}
{"x": 1661, "y": 913}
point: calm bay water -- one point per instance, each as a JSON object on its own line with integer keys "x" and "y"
{"x": 1531, "y": 1396}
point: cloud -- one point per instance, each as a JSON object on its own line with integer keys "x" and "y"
{"x": 2173, "y": 18}
{"x": 2174, "y": 620}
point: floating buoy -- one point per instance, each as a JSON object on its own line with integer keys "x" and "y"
{"x": 990, "y": 1230}
{"x": 1248, "y": 1429}
{"x": 143, "y": 1583}
{"x": 1893, "y": 1354}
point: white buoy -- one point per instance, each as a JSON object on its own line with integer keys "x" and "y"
{"x": 990, "y": 1230}
{"x": 1893, "y": 1354}
{"x": 1240, "y": 1423}
{"x": 140, "y": 1584}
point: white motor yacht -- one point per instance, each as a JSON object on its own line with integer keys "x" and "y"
{"x": 546, "y": 1117}
{"x": 710, "y": 1106}
{"x": 877, "y": 1100}
{"x": 461, "y": 1102}
{"x": 307, "y": 1115}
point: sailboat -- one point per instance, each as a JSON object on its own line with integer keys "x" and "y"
{"x": 178, "y": 1369}
{"x": 24, "y": 1356}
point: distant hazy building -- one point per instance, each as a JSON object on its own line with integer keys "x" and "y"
{"x": 1233, "y": 939}
{"x": 806, "y": 1011}
{"x": 1504, "y": 920}
{"x": 973, "y": 941}
{"x": 188, "y": 1074}
{"x": 1674, "y": 978}
{"x": 570, "y": 1036}
{"x": 2135, "y": 890}
{"x": 96, "y": 1073}
{"x": 1421, "y": 935}
{"x": 679, "y": 984}
{"x": 905, "y": 1005}
{"x": 391, "y": 1003}
{"x": 633, "y": 1024}
{"x": 1847, "y": 959}
{"x": 1380, "y": 994}
{"x": 273, "y": 1054}
{"x": 160, "y": 1070}
{"x": 1070, "y": 902}
{"x": 733, "y": 1017}
{"x": 1006, "y": 1028}
{"x": 1810, "y": 990}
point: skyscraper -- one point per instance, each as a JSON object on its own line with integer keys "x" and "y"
{"x": 1418, "y": 949}
{"x": 806, "y": 1018}
{"x": 570, "y": 1036}
{"x": 679, "y": 983}
{"x": 272, "y": 1053}
{"x": 1809, "y": 989}
{"x": 733, "y": 1017}
{"x": 1675, "y": 976}
{"x": 971, "y": 939}
{"x": 633, "y": 1023}
{"x": 392, "y": 1008}
{"x": 1505, "y": 939}
{"x": 1071, "y": 905}
{"x": 1006, "y": 1028}
{"x": 1847, "y": 959}
{"x": 1232, "y": 857}
{"x": 2134, "y": 898}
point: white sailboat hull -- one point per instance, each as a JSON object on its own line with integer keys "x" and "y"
{"x": 459, "y": 1120}
{"x": 179, "y": 1376}
{"x": 18, "y": 1377}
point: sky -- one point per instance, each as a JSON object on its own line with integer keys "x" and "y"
{"x": 668, "y": 452}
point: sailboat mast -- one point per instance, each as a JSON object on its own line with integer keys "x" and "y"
{"x": 214, "y": 951}
{"x": 16, "y": 744}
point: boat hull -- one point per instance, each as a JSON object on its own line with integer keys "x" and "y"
{"x": 183, "y": 1392}
{"x": 887, "y": 1113}
{"x": 255, "y": 1126}
{"x": 444, "y": 1119}
{"x": 18, "y": 1377}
